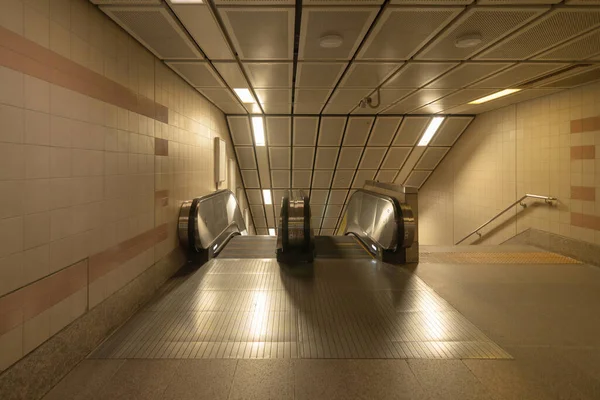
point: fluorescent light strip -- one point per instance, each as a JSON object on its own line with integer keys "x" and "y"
{"x": 494, "y": 96}
{"x": 267, "y": 196}
{"x": 244, "y": 95}
{"x": 272, "y": 231}
{"x": 259, "y": 131}
{"x": 433, "y": 127}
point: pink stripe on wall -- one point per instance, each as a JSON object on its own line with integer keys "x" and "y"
{"x": 25, "y": 56}
{"x": 104, "y": 262}
{"x": 29, "y": 301}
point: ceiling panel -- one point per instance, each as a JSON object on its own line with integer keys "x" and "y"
{"x": 251, "y": 27}
{"x": 319, "y": 74}
{"x": 343, "y": 178}
{"x": 383, "y": 97}
{"x": 417, "y": 178}
{"x": 305, "y": 131}
{"x": 303, "y": 157}
{"x": 363, "y": 175}
{"x": 322, "y": 179}
{"x": 279, "y": 157}
{"x": 318, "y": 211}
{"x": 198, "y": 74}
{"x": 276, "y": 108}
{"x": 338, "y": 109}
{"x": 349, "y": 96}
{"x": 269, "y": 74}
{"x": 245, "y": 156}
{"x": 550, "y": 30}
{"x": 349, "y": 157}
{"x": 395, "y": 158}
{"x": 418, "y": 74}
{"x": 384, "y": 130}
{"x": 329, "y": 223}
{"x": 519, "y": 74}
{"x": 489, "y": 23}
{"x": 466, "y": 74}
{"x": 372, "y": 157}
{"x": 386, "y": 175}
{"x": 318, "y": 196}
{"x": 337, "y": 196}
{"x": 258, "y": 211}
{"x": 250, "y": 178}
{"x": 240, "y": 130}
{"x": 457, "y": 98}
{"x": 450, "y": 131}
{"x": 278, "y": 131}
{"x": 331, "y": 131}
{"x": 357, "y": 131}
{"x": 229, "y": 107}
{"x": 408, "y": 166}
{"x": 333, "y": 211}
{"x": 220, "y": 96}
{"x": 369, "y": 75}
{"x": 416, "y": 26}
{"x": 301, "y": 178}
{"x": 410, "y": 131}
{"x": 204, "y": 29}
{"x": 156, "y": 29}
{"x": 326, "y": 157}
{"x": 280, "y": 178}
{"x": 431, "y": 157}
{"x": 278, "y": 195}
{"x": 318, "y": 96}
{"x": 231, "y": 74}
{"x": 349, "y": 23}
{"x": 254, "y": 196}
{"x": 416, "y": 100}
{"x": 581, "y": 48}
{"x": 435, "y": 2}
{"x": 308, "y": 108}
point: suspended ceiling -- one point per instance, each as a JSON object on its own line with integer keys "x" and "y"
{"x": 404, "y": 48}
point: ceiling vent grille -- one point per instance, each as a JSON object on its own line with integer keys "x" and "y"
{"x": 559, "y": 26}
{"x": 156, "y": 29}
{"x": 555, "y": 75}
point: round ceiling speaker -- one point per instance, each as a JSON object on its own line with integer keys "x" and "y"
{"x": 468, "y": 40}
{"x": 331, "y": 41}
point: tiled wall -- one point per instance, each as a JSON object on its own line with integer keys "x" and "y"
{"x": 547, "y": 146}
{"x": 99, "y": 144}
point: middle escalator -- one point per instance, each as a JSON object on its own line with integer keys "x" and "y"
{"x": 295, "y": 237}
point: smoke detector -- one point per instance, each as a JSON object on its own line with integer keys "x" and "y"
{"x": 331, "y": 41}
{"x": 468, "y": 40}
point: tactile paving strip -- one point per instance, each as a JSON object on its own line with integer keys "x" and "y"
{"x": 331, "y": 309}
{"x": 496, "y": 258}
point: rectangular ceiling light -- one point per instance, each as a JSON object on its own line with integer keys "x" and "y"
{"x": 259, "y": 131}
{"x": 244, "y": 95}
{"x": 433, "y": 127}
{"x": 272, "y": 231}
{"x": 267, "y": 196}
{"x": 494, "y": 96}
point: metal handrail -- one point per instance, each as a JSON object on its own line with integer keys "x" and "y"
{"x": 547, "y": 200}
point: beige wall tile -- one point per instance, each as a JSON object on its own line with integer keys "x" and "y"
{"x": 35, "y": 196}
{"x": 11, "y": 198}
{"x": 12, "y": 129}
{"x": 37, "y": 94}
{"x": 60, "y": 162}
{"x": 12, "y": 161}
{"x": 36, "y": 229}
{"x": 11, "y": 236}
{"x": 37, "y": 128}
{"x": 36, "y": 25}
{"x": 11, "y": 347}
{"x": 12, "y": 84}
{"x": 11, "y": 273}
{"x": 36, "y": 331}
{"x": 37, "y": 162}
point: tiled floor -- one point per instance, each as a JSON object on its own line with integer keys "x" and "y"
{"x": 544, "y": 315}
{"x": 233, "y": 308}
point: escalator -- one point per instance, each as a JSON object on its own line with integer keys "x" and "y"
{"x": 376, "y": 226}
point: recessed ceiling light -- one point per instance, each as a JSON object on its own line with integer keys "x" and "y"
{"x": 468, "y": 40}
{"x": 244, "y": 95}
{"x": 267, "y": 196}
{"x": 434, "y": 125}
{"x": 331, "y": 41}
{"x": 272, "y": 231}
{"x": 494, "y": 96}
{"x": 259, "y": 131}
